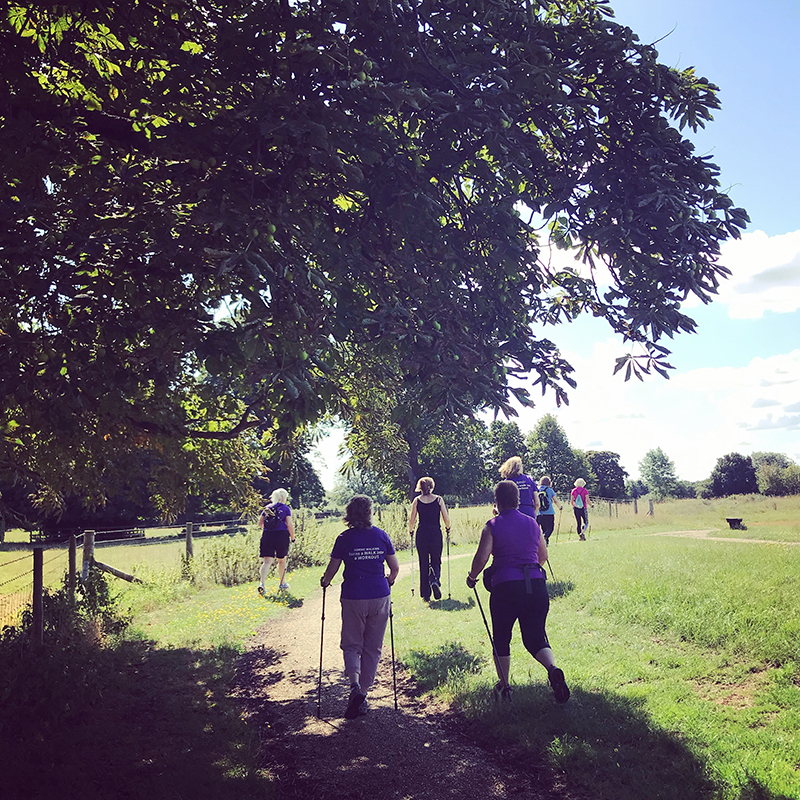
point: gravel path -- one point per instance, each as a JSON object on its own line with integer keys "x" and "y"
{"x": 422, "y": 751}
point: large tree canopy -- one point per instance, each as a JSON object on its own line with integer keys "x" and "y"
{"x": 348, "y": 180}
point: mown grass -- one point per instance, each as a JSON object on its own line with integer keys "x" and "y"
{"x": 683, "y": 657}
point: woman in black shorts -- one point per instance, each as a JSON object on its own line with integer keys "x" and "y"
{"x": 277, "y": 531}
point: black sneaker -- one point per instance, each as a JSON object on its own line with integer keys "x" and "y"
{"x": 437, "y": 592}
{"x": 363, "y": 709}
{"x": 559, "y": 684}
{"x": 357, "y": 697}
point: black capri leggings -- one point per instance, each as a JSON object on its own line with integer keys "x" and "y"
{"x": 510, "y": 602}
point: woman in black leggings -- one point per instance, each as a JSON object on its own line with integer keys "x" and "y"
{"x": 429, "y": 507}
{"x": 519, "y": 590}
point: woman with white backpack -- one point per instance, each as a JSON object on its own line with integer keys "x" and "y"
{"x": 580, "y": 501}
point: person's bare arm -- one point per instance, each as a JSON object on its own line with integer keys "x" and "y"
{"x": 290, "y": 527}
{"x": 394, "y": 568}
{"x": 445, "y": 515}
{"x": 412, "y": 520}
{"x": 542, "y": 551}
{"x": 481, "y": 556}
{"x": 330, "y": 572}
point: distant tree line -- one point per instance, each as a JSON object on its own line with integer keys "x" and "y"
{"x": 762, "y": 472}
{"x": 464, "y": 459}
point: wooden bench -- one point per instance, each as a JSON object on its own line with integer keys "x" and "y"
{"x": 54, "y": 535}
{"x": 228, "y": 530}
{"x": 125, "y": 533}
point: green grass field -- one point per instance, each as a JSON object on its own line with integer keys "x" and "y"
{"x": 682, "y": 654}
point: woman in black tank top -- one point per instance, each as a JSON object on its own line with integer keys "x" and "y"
{"x": 429, "y": 508}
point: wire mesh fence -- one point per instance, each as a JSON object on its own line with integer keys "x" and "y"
{"x": 17, "y": 580}
{"x": 16, "y": 586}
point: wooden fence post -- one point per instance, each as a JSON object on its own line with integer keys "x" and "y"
{"x": 609, "y": 509}
{"x": 635, "y": 506}
{"x": 73, "y": 561}
{"x": 651, "y": 508}
{"x": 88, "y": 554}
{"x": 38, "y": 589}
{"x": 189, "y": 540}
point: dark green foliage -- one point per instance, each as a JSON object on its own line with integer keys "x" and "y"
{"x": 345, "y": 179}
{"x": 733, "y": 474}
{"x": 635, "y": 488}
{"x": 775, "y": 480}
{"x": 610, "y": 475}
{"x": 506, "y": 440}
{"x": 550, "y": 454}
{"x": 43, "y": 687}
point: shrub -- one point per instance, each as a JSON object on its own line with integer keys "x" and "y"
{"x": 231, "y": 560}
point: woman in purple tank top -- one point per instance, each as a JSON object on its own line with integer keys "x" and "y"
{"x": 518, "y": 587}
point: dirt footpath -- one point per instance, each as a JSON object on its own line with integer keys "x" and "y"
{"x": 422, "y": 751}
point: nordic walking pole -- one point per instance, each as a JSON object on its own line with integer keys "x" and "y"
{"x": 412, "y": 563}
{"x": 321, "y": 639}
{"x": 551, "y": 568}
{"x": 560, "y": 511}
{"x": 494, "y": 649}
{"x": 391, "y": 637}
{"x": 448, "y": 563}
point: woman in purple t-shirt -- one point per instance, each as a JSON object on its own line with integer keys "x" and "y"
{"x": 365, "y": 598}
{"x": 275, "y": 537}
{"x": 528, "y": 492}
{"x": 519, "y": 590}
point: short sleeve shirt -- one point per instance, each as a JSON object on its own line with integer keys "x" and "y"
{"x": 527, "y": 489}
{"x": 363, "y": 551}
{"x": 550, "y": 494}
{"x": 283, "y": 512}
{"x": 580, "y": 491}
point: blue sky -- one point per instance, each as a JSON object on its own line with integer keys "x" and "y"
{"x": 736, "y": 386}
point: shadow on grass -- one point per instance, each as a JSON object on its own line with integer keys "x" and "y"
{"x": 284, "y": 598}
{"x": 604, "y": 744}
{"x": 452, "y": 605}
{"x": 159, "y": 723}
{"x": 559, "y": 588}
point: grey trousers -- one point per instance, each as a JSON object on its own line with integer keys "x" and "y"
{"x": 363, "y": 627}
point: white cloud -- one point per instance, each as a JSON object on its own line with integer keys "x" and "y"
{"x": 764, "y": 402}
{"x": 765, "y": 274}
{"x": 696, "y": 417}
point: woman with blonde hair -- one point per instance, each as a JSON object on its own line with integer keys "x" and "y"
{"x": 511, "y": 470}
{"x": 277, "y": 530}
{"x": 430, "y": 508}
{"x": 579, "y": 498}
